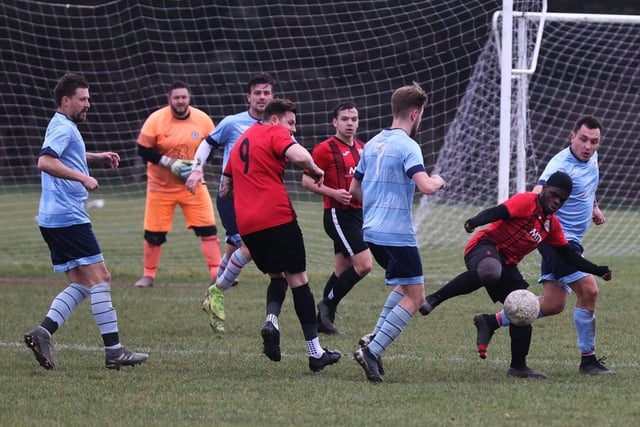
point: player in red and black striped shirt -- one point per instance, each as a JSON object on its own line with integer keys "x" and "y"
{"x": 338, "y": 156}
{"x": 517, "y": 227}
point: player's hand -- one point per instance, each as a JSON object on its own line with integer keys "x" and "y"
{"x": 107, "y": 158}
{"x": 179, "y": 167}
{"x": 607, "y": 275}
{"x": 468, "y": 228}
{"x": 317, "y": 174}
{"x": 111, "y": 159}
{"x": 342, "y": 196}
{"x": 196, "y": 177}
{"x": 441, "y": 181}
{"x": 182, "y": 168}
{"x": 90, "y": 183}
{"x": 598, "y": 216}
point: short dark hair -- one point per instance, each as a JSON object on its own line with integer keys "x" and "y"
{"x": 344, "y": 105}
{"x": 278, "y": 107}
{"x": 67, "y": 86}
{"x": 262, "y": 78}
{"x": 561, "y": 180}
{"x": 178, "y": 84}
{"x": 589, "y": 122}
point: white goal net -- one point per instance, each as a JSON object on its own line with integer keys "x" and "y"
{"x": 320, "y": 52}
{"x": 587, "y": 64}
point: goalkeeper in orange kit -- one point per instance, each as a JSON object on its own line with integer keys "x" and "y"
{"x": 167, "y": 142}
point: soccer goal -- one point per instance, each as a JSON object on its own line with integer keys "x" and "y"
{"x": 320, "y": 52}
{"x": 563, "y": 66}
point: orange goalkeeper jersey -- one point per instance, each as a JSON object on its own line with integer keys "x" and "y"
{"x": 177, "y": 138}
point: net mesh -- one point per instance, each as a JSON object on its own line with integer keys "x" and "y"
{"x": 320, "y": 52}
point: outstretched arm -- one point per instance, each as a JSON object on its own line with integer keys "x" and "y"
{"x": 339, "y": 194}
{"x": 428, "y": 184}
{"x": 572, "y": 258}
{"x": 108, "y": 158}
{"x": 486, "y": 216}
{"x": 299, "y": 155}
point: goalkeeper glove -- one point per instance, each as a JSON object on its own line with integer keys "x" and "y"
{"x": 180, "y": 168}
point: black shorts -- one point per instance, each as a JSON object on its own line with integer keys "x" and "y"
{"x": 344, "y": 226}
{"x": 72, "y": 246}
{"x": 278, "y": 249}
{"x": 510, "y": 279}
{"x": 402, "y": 264}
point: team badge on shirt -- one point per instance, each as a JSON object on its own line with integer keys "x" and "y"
{"x": 547, "y": 225}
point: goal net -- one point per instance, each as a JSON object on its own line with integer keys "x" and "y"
{"x": 587, "y": 64}
{"x": 320, "y": 52}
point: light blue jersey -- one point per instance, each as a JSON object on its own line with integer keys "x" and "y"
{"x": 386, "y": 168}
{"x": 62, "y": 200}
{"x": 576, "y": 213}
{"x": 228, "y": 131}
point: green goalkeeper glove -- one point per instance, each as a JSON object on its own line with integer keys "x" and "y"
{"x": 180, "y": 168}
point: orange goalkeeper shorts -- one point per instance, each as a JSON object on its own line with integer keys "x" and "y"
{"x": 196, "y": 208}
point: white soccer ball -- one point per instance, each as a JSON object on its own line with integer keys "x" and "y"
{"x": 522, "y": 307}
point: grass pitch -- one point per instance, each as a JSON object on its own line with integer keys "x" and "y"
{"x": 193, "y": 377}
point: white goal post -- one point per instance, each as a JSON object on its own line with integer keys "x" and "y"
{"x": 521, "y": 33}
{"x": 498, "y": 145}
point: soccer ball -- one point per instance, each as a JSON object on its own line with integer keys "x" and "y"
{"x": 522, "y": 307}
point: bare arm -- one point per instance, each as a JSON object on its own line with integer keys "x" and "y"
{"x": 55, "y": 167}
{"x": 597, "y": 215}
{"x": 356, "y": 189}
{"x": 339, "y": 194}
{"x": 428, "y": 184}
{"x": 108, "y": 158}
{"x": 197, "y": 173}
{"x": 226, "y": 187}
{"x": 299, "y": 155}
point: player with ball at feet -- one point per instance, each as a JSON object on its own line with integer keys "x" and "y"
{"x": 558, "y": 279}
{"x": 516, "y": 227}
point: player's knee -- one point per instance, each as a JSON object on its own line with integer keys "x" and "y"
{"x": 155, "y": 237}
{"x": 210, "y": 230}
{"x": 489, "y": 271}
{"x": 363, "y": 268}
{"x": 550, "y": 307}
{"x": 587, "y": 296}
{"x": 362, "y": 265}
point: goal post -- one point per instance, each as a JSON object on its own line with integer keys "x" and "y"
{"x": 518, "y": 38}
{"x": 586, "y": 64}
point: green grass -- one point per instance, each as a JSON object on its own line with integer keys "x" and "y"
{"x": 193, "y": 377}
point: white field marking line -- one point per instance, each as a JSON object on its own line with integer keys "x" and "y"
{"x": 457, "y": 359}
